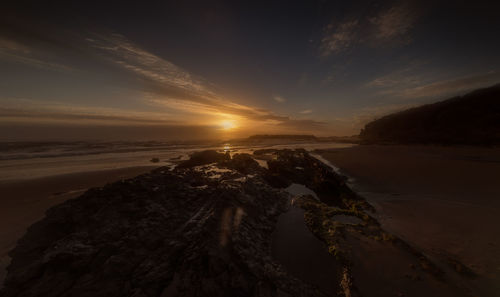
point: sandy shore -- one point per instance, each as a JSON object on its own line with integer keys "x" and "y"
{"x": 24, "y": 202}
{"x": 443, "y": 200}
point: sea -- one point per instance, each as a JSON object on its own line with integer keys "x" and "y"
{"x": 30, "y": 160}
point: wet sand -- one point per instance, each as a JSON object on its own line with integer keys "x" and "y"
{"x": 443, "y": 200}
{"x": 24, "y": 202}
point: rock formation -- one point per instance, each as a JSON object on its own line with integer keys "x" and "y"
{"x": 201, "y": 229}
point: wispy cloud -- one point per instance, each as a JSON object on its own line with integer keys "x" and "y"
{"x": 26, "y": 110}
{"x": 306, "y": 111}
{"x": 147, "y": 65}
{"x": 339, "y": 37}
{"x": 178, "y": 95}
{"x": 452, "y": 86}
{"x": 409, "y": 76}
{"x": 13, "y": 46}
{"x": 14, "y": 51}
{"x": 175, "y": 88}
{"x": 387, "y": 27}
{"x": 395, "y": 23}
{"x": 279, "y": 99}
{"x": 412, "y": 88}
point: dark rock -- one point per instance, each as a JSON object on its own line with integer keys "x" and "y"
{"x": 158, "y": 235}
{"x": 202, "y": 231}
{"x": 297, "y": 166}
{"x": 264, "y": 152}
{"x": 203, "y": 158}
{"x": 276, "y": 180}
{"x": 243, "y": 163}
{"x": 185, "y": 232}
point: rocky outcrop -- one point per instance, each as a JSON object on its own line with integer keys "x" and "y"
{"x": 201, "y": 229}
{"x": 244, "y": 163}
{"x": 193, "y": 231}
{"x": 297, "y": 166}
{"x": 203, "y": 158}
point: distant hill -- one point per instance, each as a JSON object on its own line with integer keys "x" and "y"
{"x": 470, "y": 119}
{"x": 283, "y": 137}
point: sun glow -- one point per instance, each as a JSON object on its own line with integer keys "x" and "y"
{"x": 227, "y": 125}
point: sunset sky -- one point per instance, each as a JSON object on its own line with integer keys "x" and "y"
{"x": 169, "y": 70}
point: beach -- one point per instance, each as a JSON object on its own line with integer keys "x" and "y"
{"x": 35, "y": 177}
{"x": 442, "y": 200}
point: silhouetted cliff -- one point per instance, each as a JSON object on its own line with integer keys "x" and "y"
{"x": 470, "y": 119}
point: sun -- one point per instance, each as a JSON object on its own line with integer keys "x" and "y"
{"x": 227, "y": 125}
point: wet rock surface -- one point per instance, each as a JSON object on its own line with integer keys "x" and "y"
{"x": 297, "y": 166}
{"x": 203, "y": 158}
{"x": 204, "y": 228}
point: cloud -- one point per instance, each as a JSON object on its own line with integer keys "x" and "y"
{"x": 56, "y": 132}
{"x": 171, "y": 86}
{"x": 395, "y": 23}
{"x": 123, "y": 52}
{"x": 339, "y": 37}
{"x": 13, "y": 46}
{"x": 455, "y": 85}
{"x": 20, "y": 53}
{"x": 394, "y": 79}
{"x": 306, "y": 111}
{"x": 25, "y": 110}
{"x": 403, "y": 77}
{"x": 279, "y": 99}
{"x": 406, "y": 89}
{"x": 387, "y": 27}
{"x": 178, "y": 95}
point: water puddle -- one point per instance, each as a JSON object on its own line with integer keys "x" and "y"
{"x": 298, "y": 190}
{"x": 299, "y": 251}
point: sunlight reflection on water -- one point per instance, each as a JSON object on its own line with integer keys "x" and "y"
{"x": 59, "y": 159}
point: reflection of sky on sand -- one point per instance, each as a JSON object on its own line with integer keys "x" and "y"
{"x": 60, "y": 159}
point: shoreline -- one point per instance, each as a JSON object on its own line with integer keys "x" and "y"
{"x": 420, "y": 206}
{"x": 25, "y": 201}
{"x": 443, "y": 200}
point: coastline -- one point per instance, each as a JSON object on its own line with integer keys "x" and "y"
{"x": 25, "y": 201}
{"x": 450, "y": 212}
{"x": 369, "y": 258}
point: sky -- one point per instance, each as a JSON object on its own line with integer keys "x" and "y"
{"x": 186, "y": 70}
